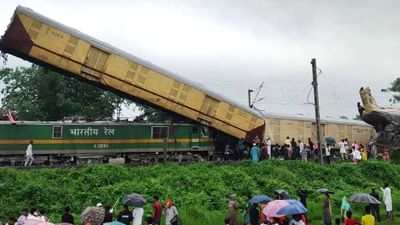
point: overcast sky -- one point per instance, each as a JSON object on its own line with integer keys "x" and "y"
{"x": 231, "y": 45}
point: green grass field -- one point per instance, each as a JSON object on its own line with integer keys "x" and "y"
{"x": 200, "y": 191}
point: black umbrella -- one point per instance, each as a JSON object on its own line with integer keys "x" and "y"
{"x": 364, "y": 198}
{"x": 284, "y": 194}
{"x": 135, "y": 200}
{"x": 325, "y": 191}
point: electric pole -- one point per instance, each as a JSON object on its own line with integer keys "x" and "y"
{"x": 316, "y": 104}
{"x": 249, "y": 95}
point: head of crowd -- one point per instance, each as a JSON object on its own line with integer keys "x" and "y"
{"x": 282, "y": 209}
{"x": 305, "y": 150}
{"x": 132, "y": 213}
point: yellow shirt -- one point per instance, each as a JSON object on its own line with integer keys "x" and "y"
{"x": 368, "y": 220}
{"x": 364, "y": 155}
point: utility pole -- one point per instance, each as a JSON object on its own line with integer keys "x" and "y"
{"x": 249, "y": 95}
{"x": 316, "y": 104}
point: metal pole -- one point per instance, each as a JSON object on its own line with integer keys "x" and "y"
{"x": 165, "y": 150}
{"x": 316, "y": 104}
{"x": 249, "y": 95}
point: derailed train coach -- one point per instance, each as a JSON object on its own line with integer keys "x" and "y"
{"x": 76, "y": 143}
{"x": 300, "y": 127}
{"x": 46, "y": 42}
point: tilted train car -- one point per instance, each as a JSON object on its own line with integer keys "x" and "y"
{"x": 41, "y": 40}
{"x": 280, "y": 126}
{"x": 56, "y": 142}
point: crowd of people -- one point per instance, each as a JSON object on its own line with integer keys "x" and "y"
{"x": 252, "y": 213}
{"x": 126, "y": 216}
{"x": 293, "y": 149}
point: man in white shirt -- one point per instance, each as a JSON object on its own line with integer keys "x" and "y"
{"x": 387, "y": 199}
{"x": 137, "y": 215}
{"x": 29, "y": 155}
{"x": 269, "y": 146}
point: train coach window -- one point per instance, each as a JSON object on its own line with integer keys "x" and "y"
{"x": 57, "y": 132}
{"x": 159, "y": 132}
{"x": 195, "y": 130}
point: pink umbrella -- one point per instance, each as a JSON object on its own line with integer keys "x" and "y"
{"x": 272, "y": 208}
{"x": 46, "y": 223}
{"x": 31, "y": 222}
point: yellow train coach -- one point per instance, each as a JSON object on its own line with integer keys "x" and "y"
{"x": 41, "y": 40}
{"x": 279, "y": 126}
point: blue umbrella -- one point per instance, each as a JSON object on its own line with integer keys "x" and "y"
{"x": 260, "y": 199}
{"x": 292, "y": 208}
{"x": 114, "y": 223}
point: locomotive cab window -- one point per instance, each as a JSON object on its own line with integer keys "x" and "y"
{"x": 159, "y": 132}
{"x": 57, "y": 132}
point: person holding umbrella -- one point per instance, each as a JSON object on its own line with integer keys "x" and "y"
{"x": 375, "y": 207}
{"x": 327, "y": 209}
{"x": 137, "y": 201}
{"x": 137, "y": 215}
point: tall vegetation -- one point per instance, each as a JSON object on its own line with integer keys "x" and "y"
{"x": 200, "y": 190}
{"x": 39, "y": 94}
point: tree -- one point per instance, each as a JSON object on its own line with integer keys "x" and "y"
{"x": 394, "y": 87}
{"x": 38, "y": 94}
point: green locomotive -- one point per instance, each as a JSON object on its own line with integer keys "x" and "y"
{"x": 75, "y": 142}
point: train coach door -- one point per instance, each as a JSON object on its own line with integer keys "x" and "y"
{"x": 208, "y": 109}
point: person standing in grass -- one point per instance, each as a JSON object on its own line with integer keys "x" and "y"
{"x": 344, "y": 207}
{"x": 156, "y": 211}
{"x": 125, "y": 216}
{"x": 349, "y": 220}
{"x": 296, "y": 220}
{"x": 137, "y": 216}
{"x": 387, "y": 199}
{"x": 368, "y": 219}
{"x": 67, "y": 217}
{"x": 171, "y": 214}
{"x": 375, "y": 207}
{"x": 327, "y": 210}
{"x": 254, "y": 215}
{"x": 233, "y": 207}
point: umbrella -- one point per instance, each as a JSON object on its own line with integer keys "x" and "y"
{"x": 272, "y": 208}
{"x": 94, "y": 215}
{"x": 294, "y": 207}
{"x": 325, "y": 190}
{"x": 114, "y": 223}
{"x": 46, "y": 223}
{"x": 134, "y": 199}
{"x": 284, "y": 194}
{"x": 364, "y": 198}
{"x": 260, "y": 199}
{"x": 280, "y": 208}
{"x": 31, "y": 222}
